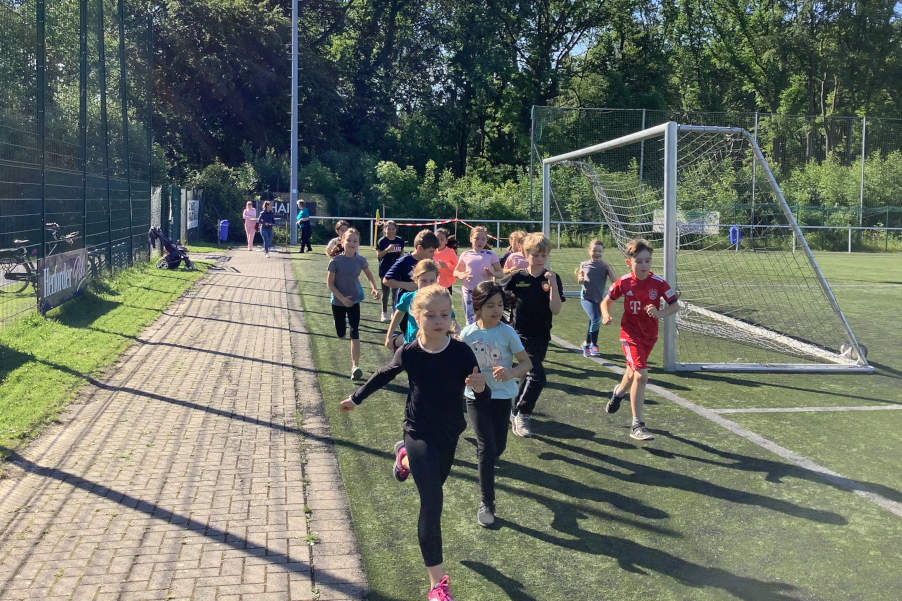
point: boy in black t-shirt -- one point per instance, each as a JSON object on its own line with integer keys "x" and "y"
{"x": 540, "y": 295}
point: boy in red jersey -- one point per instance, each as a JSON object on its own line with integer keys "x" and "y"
{"x": 642, "y": 292}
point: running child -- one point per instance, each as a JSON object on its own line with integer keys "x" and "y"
{"x": 438, "y": 369}
{"x": 515, "y": 260}
{"x": 388, "y": 250}
{"x": 400, "y": 275}
{"x": 540, "y": 296}
{"x": 446, "y": 257}
{"x": 495, "y": 345}
{"x": 593, "y": 275}
{"x": 474, "y": 266}
{"x": 343, "y": 281}
{"x": 334, "y": 246}
{"x": 425, "y": 274}
{"x": 642, "y": 292}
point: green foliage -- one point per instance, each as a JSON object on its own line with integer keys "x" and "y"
{"x": 225, "y": 191}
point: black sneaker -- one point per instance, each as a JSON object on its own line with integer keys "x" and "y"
{"x": 485, "y": 517}
{"x": 614, "y": 404}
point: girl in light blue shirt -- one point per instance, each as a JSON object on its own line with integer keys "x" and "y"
{"x": 495, "y": 345}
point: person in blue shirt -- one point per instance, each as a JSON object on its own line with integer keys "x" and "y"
{"x": 496, "y": 345}
{"x": 303, "y": 220}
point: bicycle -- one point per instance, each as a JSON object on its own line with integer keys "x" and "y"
{"x": 19, "y": 266}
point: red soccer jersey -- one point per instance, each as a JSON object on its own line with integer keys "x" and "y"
{"x": 636, "y": 325}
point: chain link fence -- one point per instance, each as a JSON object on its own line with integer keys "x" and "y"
{"x": 836, "y": 172}
{"x": 75, "y": 79}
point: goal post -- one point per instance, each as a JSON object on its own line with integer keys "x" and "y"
{"x": 760, "y": 303}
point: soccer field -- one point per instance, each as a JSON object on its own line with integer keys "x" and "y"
{"x": 701, "y": 512}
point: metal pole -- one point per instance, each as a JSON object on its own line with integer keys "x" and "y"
{"x": 293, "y": 194}
{"x": 670, "y": 237}
{"x": 149, "y": 102}
{"x": 642, "y": 153}
{"x": 559, "y": 235}
{"x": 83, "y": 114}
{"x": 532, "y": 158}
{"x": 864, "y": 121}
{"x": 850, "y": 240}
{"x": 754, "y": 175}
{"x": 123, "y": 95}
{"x": 546, "y": 199}
{"x": 101, "y": 59}
{"x": 41, "y": 51}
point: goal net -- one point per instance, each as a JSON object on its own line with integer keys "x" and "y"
{"x": 752, "y": 296}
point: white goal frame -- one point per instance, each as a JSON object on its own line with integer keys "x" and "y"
{"x": 669, "y": 131}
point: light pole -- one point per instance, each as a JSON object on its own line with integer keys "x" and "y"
{"x": 293, "y": 194}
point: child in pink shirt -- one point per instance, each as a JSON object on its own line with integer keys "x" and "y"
{"x": 250, "y": 223}
{"x": 474, "y": 266}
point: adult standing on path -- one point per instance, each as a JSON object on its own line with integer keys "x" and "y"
{"x": 267, "y": 220}
{"x": 303, "y": 220}
{"x": 250, "y": 223}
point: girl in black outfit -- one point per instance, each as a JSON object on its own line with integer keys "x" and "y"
{"x": 438, "y": 369}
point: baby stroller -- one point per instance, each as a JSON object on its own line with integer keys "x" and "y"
{"x": 173, "y": 254}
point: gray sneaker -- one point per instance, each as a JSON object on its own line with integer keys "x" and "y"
{"x": 640, "y": 432}
{"x": 523, "y": 425}
{"x": 485, "y": 517}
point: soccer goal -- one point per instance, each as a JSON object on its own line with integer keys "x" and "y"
{"x": 752, "y": 297}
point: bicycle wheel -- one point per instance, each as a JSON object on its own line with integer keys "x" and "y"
{"x": 14, "y": 281}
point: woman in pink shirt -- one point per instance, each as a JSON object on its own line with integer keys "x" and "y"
{"x": 474, "y": 266}
{"x": 446, "y": 258}
{"x": 250, "y": 223}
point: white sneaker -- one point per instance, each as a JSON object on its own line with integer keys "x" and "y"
{"x": 384, "y": 317}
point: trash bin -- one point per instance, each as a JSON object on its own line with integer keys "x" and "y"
{"x": 224, "y": 230}
{"x": 735, "y": 236}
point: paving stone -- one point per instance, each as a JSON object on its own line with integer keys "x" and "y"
{"x": 178, "y": 474}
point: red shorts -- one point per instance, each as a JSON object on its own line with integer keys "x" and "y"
{"x": 636, "y": 353}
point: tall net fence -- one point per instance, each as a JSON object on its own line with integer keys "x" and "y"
{"x": 835, "y": 172}
{"x": 74, "y": 138}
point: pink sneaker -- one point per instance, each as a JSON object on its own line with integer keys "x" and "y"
{"x": 440, "y": 591}
{"x": 593, "y": 351}
{"x": 400, "y": 472}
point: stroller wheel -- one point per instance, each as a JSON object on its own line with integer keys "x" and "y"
{"x": 161, "y": 263}
{"x": 189, "y": 266}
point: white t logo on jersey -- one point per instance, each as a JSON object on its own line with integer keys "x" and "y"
{"x": 635, "y": 306}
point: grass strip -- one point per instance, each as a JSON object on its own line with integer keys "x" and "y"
{"x": 44, "y": 361}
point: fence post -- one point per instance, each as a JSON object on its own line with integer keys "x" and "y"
{"x": 850, "y": 239}
{"x": 864, "y": 121}
{"x": 123, "y": 100}
{"x": 41, "y": 76}
{"x": 559, "y": 235}
{"x": 498, "y": 231}
{"x": 149, "y": 103}
{"x": 105, "y": 126}
{"x": 754, "y": 175}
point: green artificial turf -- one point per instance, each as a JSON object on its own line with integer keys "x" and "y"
{"x": 584, "y": 512}
{"x": 44, "y": 361}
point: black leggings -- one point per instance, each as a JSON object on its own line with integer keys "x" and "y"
{"x": 345, "y": 315}
{"x": 430, "y": 464}
{"x": 489, "y": 420}
{"x": 533, "y": 382}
